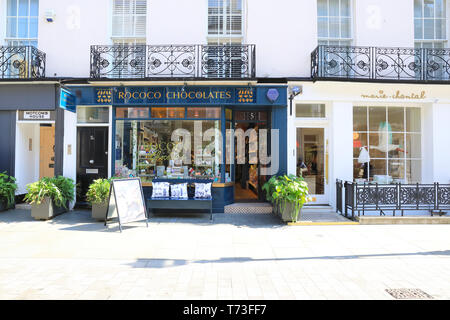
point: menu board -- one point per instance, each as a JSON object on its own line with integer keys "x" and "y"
{"x": 126, "y": 201}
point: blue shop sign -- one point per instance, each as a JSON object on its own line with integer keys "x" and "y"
{"x": 67, "y": 101}
{"x": 179, "y": 95}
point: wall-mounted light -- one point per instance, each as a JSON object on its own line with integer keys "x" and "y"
{"x": 50, "y": 15}
{"x": 293, "y": 92}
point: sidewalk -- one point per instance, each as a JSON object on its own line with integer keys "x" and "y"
{"x": 236, "y": 256}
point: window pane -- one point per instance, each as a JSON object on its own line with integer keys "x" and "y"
{"x": 12, "y": 8}
{"x": 377, "y": 118}
{"x": 132, "y": 113}
{"x": 345, "y": 8}
{"x": 33, "y": 28}
{"x": 310, "y": 111}
{"x": 440, "y": 29}
{"x": 414, "y": 171}
{"x": 11, "y": 27}
{"x": 322, "y": 8}
{"x": 334, "y": 8}
{"x": 92, "y": 114}
{"x": 378, "y": 168}
{"x": 34, "y": 8}
{"x": 396, "y": 170}
{"x": 440, "y": 9}
{"x": 413, "y": 120}
{"x": 359, "y": 141}
{"x": 428, "y": 8}
{"x": 203, "y": 113}
{"x": 23, "y": 8}
{"x": 418, "y": 8}
{"x": 396, "y": 146}
{"x": 428, "y": 29}
{"x": 334, "y": 27}
{"x": 418, "y": 29}
{"x": 396, "y": 118}
{"x": 23, "y": 28}
{"x": 345, "y": 28}
{"x": 322, "y": 24}
{"x": 413, "y": 145}
{"x": 360, "y": 119}
{"x": 378, "y": 145}
{"x": 167, "y": 113}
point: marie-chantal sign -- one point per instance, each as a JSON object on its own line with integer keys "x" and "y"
{"x": 178, "y": 95}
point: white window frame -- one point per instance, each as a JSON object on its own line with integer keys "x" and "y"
{"x": 419, "y": 42}
{"x": 224, "y": 37}
{"x": 17, "y": 40}
{"x": 340, "y": 40}
{"x": 128, "y": 39}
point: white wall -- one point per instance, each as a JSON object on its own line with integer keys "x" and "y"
{"x": 70, "y": 138}
{"x": 26, "y": 161}
{"x": 384, "y": 23}
{"x": 66, "y": 41}
{"x": 440, "y": 147}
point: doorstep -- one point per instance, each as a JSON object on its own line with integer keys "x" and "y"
{"x": 403, "y": 220}
{"x": 248, "y": 207}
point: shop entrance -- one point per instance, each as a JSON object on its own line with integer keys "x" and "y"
{"x": 92, "y": 159}
{"x": 312, "y": 162}
{"x": 248, "y": 178}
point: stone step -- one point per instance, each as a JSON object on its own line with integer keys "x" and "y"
{"x": 248, "y": 208}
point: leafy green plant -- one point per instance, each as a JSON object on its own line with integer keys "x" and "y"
{"x": 287, "y": 189}
{"x": 98, "y": 191}
{"x": 41, "y": 189}
{"x": 8, "y": 189}
{"x": 59, "y": 189}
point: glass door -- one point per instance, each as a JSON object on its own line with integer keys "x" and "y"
{"x": 312, "y": 162}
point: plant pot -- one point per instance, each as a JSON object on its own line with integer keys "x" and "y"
{"x": 286, "y": 212}
{"x": 99, "y": 211}
{"x": 46, "y": 210}
{"x": 3, "y": 206}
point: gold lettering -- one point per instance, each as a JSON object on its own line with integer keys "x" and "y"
{"x": 120, "y": 95}
{"x": 191, "y": 97}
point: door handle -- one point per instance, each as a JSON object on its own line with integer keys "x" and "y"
{"x": 91, "y": 161}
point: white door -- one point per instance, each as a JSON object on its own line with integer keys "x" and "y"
{"x": 312, "y": 162}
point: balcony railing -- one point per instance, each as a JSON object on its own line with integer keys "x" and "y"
{"x": 18, "y": 62}
{"x": 173, "y": 61}
{"x": 344, "y": 62}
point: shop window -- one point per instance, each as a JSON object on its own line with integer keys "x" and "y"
{"x": 92, "y": 114}
{"x": 168, "y": 149}
{"x": 167, "y": 113}
{"x": 132, "y": 113}
{"x": 203, "y": 113}
{"x": 387, "y": 144}
{"x": 310, "y": 111}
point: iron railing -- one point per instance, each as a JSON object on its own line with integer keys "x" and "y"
{"x": 375, "y": 63}
{"x": 359, "y": 198}
{"x": 21, "y": 62}
{"x": 196, "y": 61}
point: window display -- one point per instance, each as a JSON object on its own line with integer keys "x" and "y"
{"x": 387, "y": 145}
{"x": 169, "y": 149}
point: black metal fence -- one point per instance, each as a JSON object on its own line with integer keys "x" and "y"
{"x": 196, "y": 61}
{"x": 21, "y": 62}
{"x": 355, "y": 199}
{"x": 375, "y": 63}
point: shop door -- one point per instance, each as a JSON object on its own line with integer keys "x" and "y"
{"x": 312, "y": 162}
{"x": 92, "y": 157}
{"x": 47, "y": 151}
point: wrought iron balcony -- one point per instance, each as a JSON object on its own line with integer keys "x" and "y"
{"x": 18, "y": 62}
{"x": 173, "y": 61}
{"x": 345, "y": 62}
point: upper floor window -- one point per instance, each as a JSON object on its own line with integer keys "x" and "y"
{"x": 129, "y": 21}
{"x": 225, "y": 20}
{"x": 430, "y": 23}
{"x": 22, "y": 22}
{"x": 334, "y": 22}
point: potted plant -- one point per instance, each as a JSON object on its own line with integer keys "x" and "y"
{"x": 288, "y": 193}
{"x": 49, "y": 197}
{"x": 8, "y": 189}
{"x": 98, "y": 196}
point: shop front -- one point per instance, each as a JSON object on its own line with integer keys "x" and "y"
{"x": 233, "y": 137}
{"x": 368, "y": 133}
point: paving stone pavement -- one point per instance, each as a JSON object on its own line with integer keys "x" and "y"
{"x": 238, "y": 256}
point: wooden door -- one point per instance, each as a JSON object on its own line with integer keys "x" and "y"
{"x": 47, "y": 152}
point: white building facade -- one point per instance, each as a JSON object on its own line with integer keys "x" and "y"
{"x": 363, "y": 85}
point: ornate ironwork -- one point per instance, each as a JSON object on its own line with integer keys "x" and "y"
{"x": 348, "y": 62}
{"x": 394, "y": 197}
{"x": 140, "y": 61}
{"x": 21, "y": 62}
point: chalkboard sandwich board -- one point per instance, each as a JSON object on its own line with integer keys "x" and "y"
{"x": 126, "y": 202}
